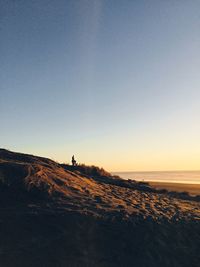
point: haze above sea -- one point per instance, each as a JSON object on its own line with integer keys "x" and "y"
{"x": 186, "y": 177}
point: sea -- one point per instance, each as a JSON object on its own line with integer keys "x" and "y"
{"x": 186, "y": 177}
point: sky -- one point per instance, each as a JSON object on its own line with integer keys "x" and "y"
{"x": 116, "y": 83}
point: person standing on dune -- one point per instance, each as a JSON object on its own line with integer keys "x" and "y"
{"x": 73, "y": 161}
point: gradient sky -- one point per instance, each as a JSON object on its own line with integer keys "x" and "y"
{"x": 117, "y": 83}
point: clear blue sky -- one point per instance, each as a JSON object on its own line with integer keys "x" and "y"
{"x": 114, "y": 82}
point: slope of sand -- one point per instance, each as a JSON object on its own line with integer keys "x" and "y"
{"x": 52, "y": 215}
{"x": 105, "y": 196}
{"x": 193, "y": 189}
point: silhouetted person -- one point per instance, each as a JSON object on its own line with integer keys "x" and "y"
{"x": 73, "y": 161}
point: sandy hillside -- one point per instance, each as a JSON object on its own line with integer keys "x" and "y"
{"x": 74, "y": 191}
{"x": 56, "y": 215}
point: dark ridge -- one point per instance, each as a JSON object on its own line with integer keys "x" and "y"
{"x": 25, "y": 158}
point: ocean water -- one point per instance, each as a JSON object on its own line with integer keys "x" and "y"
{"x": 186, "y": 177}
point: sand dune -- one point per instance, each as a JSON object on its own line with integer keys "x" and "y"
{"x": 54, "y": 215}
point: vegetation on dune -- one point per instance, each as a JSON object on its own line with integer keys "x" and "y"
{"x": 92, "y": 171}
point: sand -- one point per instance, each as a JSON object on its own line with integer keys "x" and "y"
{"x": 99, "y": 196}
{"x": 55, "y": 215}
{"x": 193, "y": 189}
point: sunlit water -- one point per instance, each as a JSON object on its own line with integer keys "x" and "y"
{"x": 187, "y": 177}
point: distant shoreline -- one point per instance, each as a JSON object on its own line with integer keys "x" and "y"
{"x": 171, "y": 180}
{"x": 193, "y": 189}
